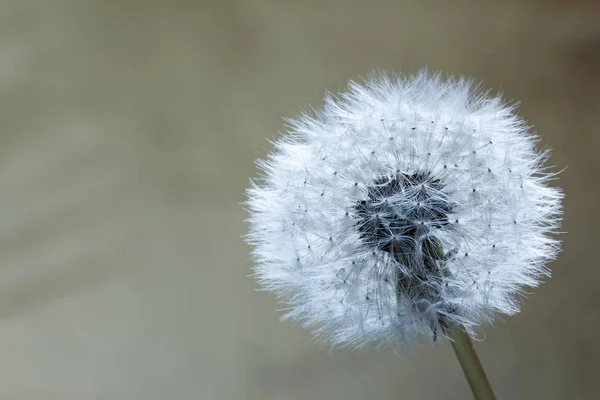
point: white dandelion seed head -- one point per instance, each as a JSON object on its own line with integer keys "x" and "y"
{"x": 401, "y": 206}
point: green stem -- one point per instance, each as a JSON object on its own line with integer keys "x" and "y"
{"x": 463, "y": 347}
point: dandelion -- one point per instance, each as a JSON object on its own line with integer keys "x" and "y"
{"x": 404, "y": 208}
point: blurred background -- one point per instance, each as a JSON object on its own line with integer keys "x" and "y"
{"x": 128, "y": 134}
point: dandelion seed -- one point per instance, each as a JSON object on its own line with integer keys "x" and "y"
{"x": 402, "y": 265}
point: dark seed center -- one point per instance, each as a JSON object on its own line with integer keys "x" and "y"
{"x": 402, "y": 211}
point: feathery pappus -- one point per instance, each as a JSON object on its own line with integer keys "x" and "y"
{"x": 403, "y": 205}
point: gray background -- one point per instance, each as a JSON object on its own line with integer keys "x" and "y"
{"x": 128, "y": 134}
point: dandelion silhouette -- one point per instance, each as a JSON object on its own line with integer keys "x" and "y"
{"x": 403, "y": 208}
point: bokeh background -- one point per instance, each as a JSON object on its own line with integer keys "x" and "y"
{"x": 128, "y": 134}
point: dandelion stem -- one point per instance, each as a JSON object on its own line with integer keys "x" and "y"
{"x": 463, "y": 347}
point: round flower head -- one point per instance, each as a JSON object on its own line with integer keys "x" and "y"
{"x": 400, "y": 207}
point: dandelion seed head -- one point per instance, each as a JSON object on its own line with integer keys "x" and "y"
{"x": 401, "y": 206}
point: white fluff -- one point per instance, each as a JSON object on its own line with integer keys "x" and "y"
{"x": 453, "y": 224}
